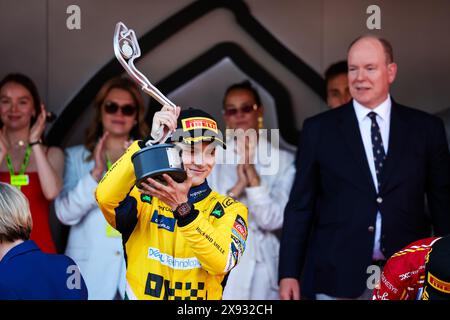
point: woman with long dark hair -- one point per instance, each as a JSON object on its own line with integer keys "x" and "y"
{"x": 249, "y": 182}
{"x": 25, "y": 162}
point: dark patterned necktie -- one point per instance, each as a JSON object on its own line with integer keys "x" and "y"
{"x": 379, "y": 156}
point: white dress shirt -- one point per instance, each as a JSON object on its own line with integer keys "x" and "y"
{"x": 383, "y": 118}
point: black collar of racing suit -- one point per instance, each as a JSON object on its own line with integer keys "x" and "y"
{"x": 199, "y": 192}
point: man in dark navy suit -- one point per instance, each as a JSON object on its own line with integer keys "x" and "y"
{"x": 364, "y": 170}
{"x": 26, "y": 273}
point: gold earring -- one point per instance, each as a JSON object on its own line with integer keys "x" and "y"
{"x": 260, "y": 122}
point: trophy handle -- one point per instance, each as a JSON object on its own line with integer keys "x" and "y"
{"x": 126, "y": 49}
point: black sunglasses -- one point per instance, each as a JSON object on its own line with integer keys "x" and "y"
{"x": 245, "y": 109}
{"x": 112, "y": 107}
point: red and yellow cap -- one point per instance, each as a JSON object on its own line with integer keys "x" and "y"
{"x": 195, "y": 125}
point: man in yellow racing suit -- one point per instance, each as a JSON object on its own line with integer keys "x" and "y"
{"x": 172, "y": 254}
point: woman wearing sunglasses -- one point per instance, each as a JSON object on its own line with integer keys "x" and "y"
{"x": 92, "y": 243}
{"x": 25, "y": 162}
{"x": 256, "y": 277}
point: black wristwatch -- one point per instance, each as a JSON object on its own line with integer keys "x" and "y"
{"x": 182, "y": 210}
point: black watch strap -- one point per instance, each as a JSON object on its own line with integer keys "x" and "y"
{"x": 35, "y": 142}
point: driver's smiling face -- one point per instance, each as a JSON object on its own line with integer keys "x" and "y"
{"x": 198, "y": 160}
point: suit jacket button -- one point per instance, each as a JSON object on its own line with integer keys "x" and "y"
{"x": 379, "y": 199}
{"x": 371, "y": 229}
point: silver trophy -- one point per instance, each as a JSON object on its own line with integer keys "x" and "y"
{"x": 157, "y": 157}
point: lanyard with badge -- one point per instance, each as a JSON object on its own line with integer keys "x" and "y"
{"x": 21, "y": 179}
{"x": 110, "y": 231}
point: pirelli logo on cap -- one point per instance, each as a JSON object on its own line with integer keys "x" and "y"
{"x": 199, "y": 123}
{"x": 438, "y": 284}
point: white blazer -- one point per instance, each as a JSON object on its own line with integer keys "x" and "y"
{"x": 99, "y": 256}
{"x": 266, "y": 205}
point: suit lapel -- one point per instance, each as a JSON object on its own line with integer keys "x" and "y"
{"x": 350, "y": 129}
{"x": 397, "y": 142}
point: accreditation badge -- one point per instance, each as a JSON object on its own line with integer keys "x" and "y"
{"x": 19, "y": 180}
{"x": 111, "y": 232}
